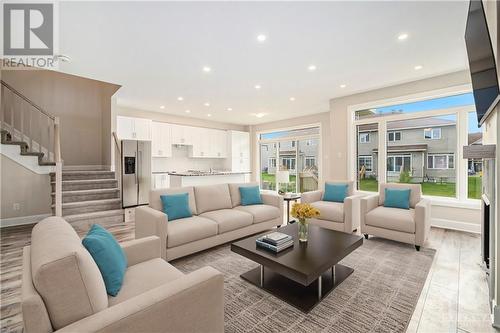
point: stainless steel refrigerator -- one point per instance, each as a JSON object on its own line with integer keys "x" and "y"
{"x": 136, "y": 172}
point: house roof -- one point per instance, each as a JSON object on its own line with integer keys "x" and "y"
{"x": 475, "y": 138}
{"x": 409, "y": 123}
{"x": 404, "y": 148}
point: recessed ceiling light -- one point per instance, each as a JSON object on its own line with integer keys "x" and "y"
{"x": 261, "y": 38}
{"x": 292, "y": 99}
{"x": 312, "y": 68}
{"x": 259, "y": 115}
{"x": 188, "y": 111}
{"x": 403, "y": 36}
{"x": 207, "y": 104}
{"x": 418, "y": 67}
{"x": 229, "y": 109}
{"x": 207, "y": 69}
{"x": 180, "y": 98}
{"x": 257, "y": 86}
{"x": 343, "y": 86}
{"x": 162, "y": 106}
{"x": 209, "y": 115}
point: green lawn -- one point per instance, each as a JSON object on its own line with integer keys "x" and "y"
{"x": 271, "y": 180}
{"x": 436, "y": 189}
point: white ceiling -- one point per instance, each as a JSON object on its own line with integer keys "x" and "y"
{"x": 156, "y": 51}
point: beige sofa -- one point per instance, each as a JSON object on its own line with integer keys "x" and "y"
{"x": 410, "y": 226}
{"x": 218, "y": 217}
{"x": 334, "y": 215}
{"x": 63, "y": 290}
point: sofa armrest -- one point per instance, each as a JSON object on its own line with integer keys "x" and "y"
{"x": 349, "y": 207}
{"x": 367, "y": 204}
{"x": 422, "y": 221}
{"x": 142, "y": 249}
{"x": 194, "y": 303}
{"x": 272, "y": 200}
{"x": 312, "y": 196}
{"x": 152, "y": 222}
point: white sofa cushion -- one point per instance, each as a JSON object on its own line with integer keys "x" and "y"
{"x": 392, "y": 218}
{"x": 261, "y": 213}
{"x": 229, "y": 219}
{"x": 64, "y": 273}
{"x": 155, "y": 200}
{"x": 329, "y": 210}
{"x": 415, "y": 194}
{"x": 234, "y": 190}
{"x": 190, "y": 229}
{"x": 145, "y": 276}
{"x": 212, "y": 197}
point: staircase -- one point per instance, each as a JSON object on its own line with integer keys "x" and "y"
{"x": 89, "y": 197}
{"x": 6, "y": 139}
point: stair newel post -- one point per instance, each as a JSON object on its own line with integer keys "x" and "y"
{"x": 58, "y": 160}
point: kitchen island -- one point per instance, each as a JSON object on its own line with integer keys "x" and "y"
{"x": 180, "y": 179}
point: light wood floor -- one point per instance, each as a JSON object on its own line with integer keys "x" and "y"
{"x": 454, "y": 298}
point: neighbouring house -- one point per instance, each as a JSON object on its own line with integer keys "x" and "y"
{"x": 306, "y": 150}
{"x": 425, "y": 148}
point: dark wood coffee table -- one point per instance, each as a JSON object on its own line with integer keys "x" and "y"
{"x": 304, "y": 274}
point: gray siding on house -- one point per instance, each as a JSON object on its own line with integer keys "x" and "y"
{"x": 413, "y": 144}
{"x": 286, "y": 150}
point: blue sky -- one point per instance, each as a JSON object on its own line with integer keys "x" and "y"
{"x": 438, "y": 103}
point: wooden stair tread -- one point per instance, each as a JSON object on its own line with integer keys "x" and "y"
{"x": 93, "y": 191}
{"x": 90, "y": 203}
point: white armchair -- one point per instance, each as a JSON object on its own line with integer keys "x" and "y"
{"x": 334, "y": 215}
{"x": 410, "y": 226}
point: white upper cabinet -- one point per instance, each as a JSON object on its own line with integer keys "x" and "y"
{"x": 239, "y": 151}
{"x": 208, "y": 143}
{"x": 129, "y": 128}
{"x": 182, "y": 135}
{"x": 161, "y": 137}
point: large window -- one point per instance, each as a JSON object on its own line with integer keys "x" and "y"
{"x": 296, "y": 151}
{"x": 367, "y": 154}
{"x": 419, "y": 143}
{"x": 474, "y": 166}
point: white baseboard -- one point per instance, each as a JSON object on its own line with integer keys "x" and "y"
{"x": 86, "y": 167}
{"x": 13, "y": 221}
{"x": 456, "y": 225}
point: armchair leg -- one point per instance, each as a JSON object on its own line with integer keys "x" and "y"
{"x": 417, "y": 247}
{"x": 366, "y": 236}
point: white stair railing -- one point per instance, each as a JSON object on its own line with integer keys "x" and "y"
{"x": 27, "y": 122}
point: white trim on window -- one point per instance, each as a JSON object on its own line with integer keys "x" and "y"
{"x": 394, "y": 157}
{"x": 368, "y": 162}
{"x": 431, "y": 161}
{"x": 434, "y": 133}
{"x": 394, "y": 136}
{"x": 364, "y": 137}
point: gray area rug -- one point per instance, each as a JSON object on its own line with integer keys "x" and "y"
{"x": 379, "y": 296}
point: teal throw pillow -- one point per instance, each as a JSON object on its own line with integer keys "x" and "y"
{"x": 397, "y": 198}
{"x": 176, "y": 206}
{"x": 335, "y": 192}
{"x": 250, "y": 195}
{"x": 109, "y": 257}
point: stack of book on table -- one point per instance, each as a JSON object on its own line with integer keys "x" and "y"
{"x": 275, "y": 242}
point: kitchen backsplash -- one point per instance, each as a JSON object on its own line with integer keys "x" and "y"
{"x": 180, "y": 161}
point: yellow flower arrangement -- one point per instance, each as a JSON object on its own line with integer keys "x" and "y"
{"x": 304, "y": 211}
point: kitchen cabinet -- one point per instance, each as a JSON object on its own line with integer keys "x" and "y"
{"x": 161, "y": 139}
{"x": 182, "y": 135}
{"x": 161, "y": 180}
{"x": 129, "y": 128}
{"x": 208, "y": 143}
{"x": 238, "y": 151}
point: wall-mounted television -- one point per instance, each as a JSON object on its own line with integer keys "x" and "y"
{"x": 482, "y": 63}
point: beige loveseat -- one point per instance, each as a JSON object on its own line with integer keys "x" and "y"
{"x": 334, "y": 215}
{"x": 410, "y": 226}
{"x": 218, "y": 217}
{"x": 63, "y": 290}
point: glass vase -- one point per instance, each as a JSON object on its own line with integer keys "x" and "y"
{"x": 303, "y": 230}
